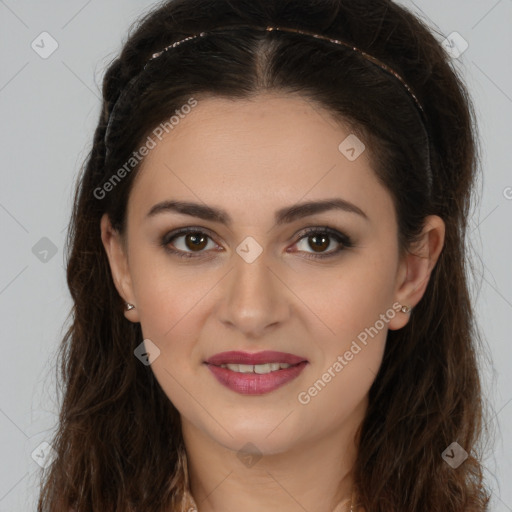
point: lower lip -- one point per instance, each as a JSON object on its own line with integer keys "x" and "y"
{"x": 254, "y": 383}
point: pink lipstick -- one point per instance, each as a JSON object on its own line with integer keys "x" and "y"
{"x": 255, "y": 374}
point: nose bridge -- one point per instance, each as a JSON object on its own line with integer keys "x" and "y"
{"x": 254, "y": 298}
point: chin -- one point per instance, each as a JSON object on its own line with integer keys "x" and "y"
{"x": 257, "y": 439}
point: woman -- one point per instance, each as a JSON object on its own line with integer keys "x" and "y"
{"x": 267, "y": 264}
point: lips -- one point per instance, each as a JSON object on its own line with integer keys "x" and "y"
{"x": 255, "y": 374}
{"x": 268, "y": 356}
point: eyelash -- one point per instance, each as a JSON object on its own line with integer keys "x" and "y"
{"x": 339, "y": 237}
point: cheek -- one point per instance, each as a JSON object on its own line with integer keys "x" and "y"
{"x": 345, "y": 301}
{"x": 168, "y": 293}
{"x": 355, "y": 318}
{"x": 355, "y": 310}
{"x": 169, "y": 302}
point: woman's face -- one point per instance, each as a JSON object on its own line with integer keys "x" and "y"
{"x": 251, "y": 279}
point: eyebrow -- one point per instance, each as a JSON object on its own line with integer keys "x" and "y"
{"x": 282, "y": 216}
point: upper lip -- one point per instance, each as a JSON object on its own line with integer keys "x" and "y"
{"x": 267, "y": 356}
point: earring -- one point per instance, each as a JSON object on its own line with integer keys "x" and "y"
{"x": 405, "y": 309}
{"x": 129, "y": 306}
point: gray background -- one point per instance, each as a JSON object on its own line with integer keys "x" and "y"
{"x": 49, "y": 107}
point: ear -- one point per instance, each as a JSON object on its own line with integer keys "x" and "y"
{"x": 118, "y": 260}
{"x": 416, "y": 267}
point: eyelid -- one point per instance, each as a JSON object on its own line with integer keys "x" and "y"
{"x": 173, "y": 234}
{"x": 341, "y": 238}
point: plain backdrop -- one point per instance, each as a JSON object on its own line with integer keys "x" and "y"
{"x": 49, "y": 105}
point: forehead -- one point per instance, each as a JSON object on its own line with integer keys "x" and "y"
{"x": 258, "y": 153}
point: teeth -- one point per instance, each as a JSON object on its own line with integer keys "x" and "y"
{"x": 244, "y": 368}
{"x": 256, "y": 368}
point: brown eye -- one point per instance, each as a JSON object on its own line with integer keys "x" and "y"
{"x": 320, "y": 239}
{"x": 195, "y": 241}
{"x": 319, "y": 242}
{"x": 190, "y": 243}
{"x": 186, "y": 242}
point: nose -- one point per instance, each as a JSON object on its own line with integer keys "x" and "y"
{"x": 255, "y": 298}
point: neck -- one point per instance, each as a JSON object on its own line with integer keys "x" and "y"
{"x": 313, "y": 475}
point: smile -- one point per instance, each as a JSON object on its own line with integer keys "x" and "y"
{"x": 256, "y": 368}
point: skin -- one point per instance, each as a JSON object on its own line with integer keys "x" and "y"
{"x": 251, "y": 158}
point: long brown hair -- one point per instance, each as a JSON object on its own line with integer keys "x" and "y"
{"x": 427, "y": 393}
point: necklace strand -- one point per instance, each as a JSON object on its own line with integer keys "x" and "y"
{"x": 351, "y": 509}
